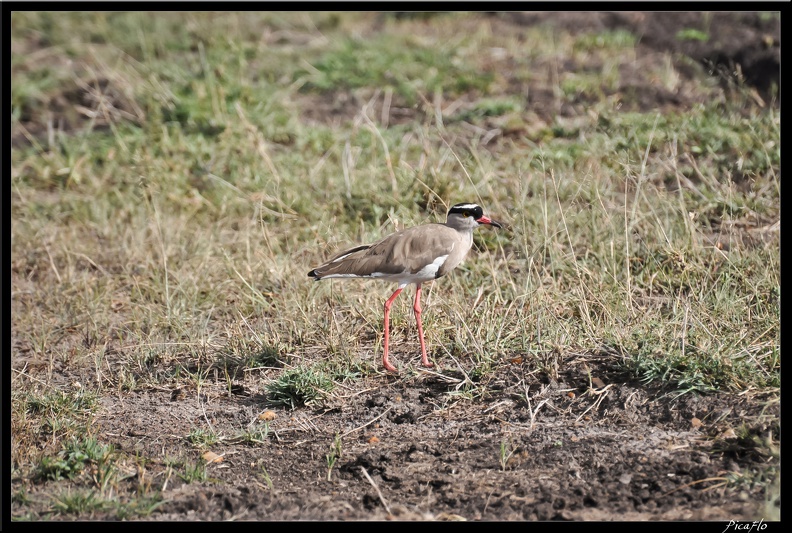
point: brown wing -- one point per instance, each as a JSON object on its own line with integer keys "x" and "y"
{"x": 408, "y": 250}
{"x": 331, "y": 265}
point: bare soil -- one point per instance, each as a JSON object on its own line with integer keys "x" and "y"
{"x": 573, "y": 440}
{"x": 574, "y": 449}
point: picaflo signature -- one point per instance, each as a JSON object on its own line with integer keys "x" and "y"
{"x": 736, "y": 525}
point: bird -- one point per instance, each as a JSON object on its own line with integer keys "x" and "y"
{"x": 414, "y": 255}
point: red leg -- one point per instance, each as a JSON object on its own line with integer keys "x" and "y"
{"x": 417, "y": 309}
{"x": 388, "y": 304}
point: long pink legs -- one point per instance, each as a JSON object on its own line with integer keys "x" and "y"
{"x": 388, "y": 304}
{"x": 417, "y": 308}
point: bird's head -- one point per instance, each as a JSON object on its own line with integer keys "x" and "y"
{"x": 469, "y": 215}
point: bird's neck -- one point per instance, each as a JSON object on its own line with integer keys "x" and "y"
{"x": 465, "y": 233}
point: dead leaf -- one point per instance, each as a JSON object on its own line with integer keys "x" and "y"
{"x": 696, "y": 423}
{"x": 450, "y": 517}
{"x": 267, "y": 416}
{"x": 728, "y": 434}
{"x": 211, "y": 457}
{"x": 373, "y": 440}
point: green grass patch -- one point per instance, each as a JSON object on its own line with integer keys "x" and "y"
{"x": 202, "y": 438}
{"x": 73, "y": 459}
{"x": 612, "y": 39}
{"x": 62, "y": 404}
{"x": 300, "y": 386}
{"x": 692, "y": 34}
{"x": 408, "y": 68}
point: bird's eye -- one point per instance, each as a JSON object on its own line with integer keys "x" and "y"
{"x": 465, "y": 214}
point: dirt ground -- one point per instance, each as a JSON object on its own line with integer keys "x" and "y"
{"x": 574, "y": 442}
{"x": 617, "y": 452}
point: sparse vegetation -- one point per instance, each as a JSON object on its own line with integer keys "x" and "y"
{"x": 173, "y": 178}
{"x": 255, "y": 434}
{"x": 202, "y": 438}
{"x": 299, "y": 386}
{"x": 506, "y": 452}
{"x": 334, "y": 455}
{"x": 692, "y": 34}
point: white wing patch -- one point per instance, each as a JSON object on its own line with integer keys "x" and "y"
{"x": 337, "y": 259}
{"x": 430, "y": 270}
{"x": 427, "y": 273}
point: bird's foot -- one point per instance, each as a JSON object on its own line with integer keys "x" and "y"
{"x": 389, "y": 367}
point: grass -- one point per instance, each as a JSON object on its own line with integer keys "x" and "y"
{"x": 300, "y": 386}
{"x": 164, "y": 220}
{"x": 255, "y": 434}
{"x": 333, "y": 455}
{"x": 421, "y": 69}
{"x": 72, "y": 461}
{"x": 692, "y": 34}
{"x": 507, "y": 450}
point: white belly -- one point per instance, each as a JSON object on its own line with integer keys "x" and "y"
{"x": 427, "y": 273}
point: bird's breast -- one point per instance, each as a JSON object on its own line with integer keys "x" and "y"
{"x": 457, "y": 254}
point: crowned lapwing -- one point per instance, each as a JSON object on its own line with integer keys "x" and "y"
{"x": 412, "y": 255}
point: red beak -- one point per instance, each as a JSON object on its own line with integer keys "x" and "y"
{"x": 485, "y": 220}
